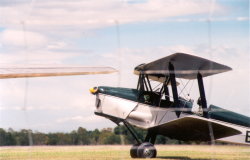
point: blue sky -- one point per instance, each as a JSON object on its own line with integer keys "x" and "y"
{"x": 120, "y": 34}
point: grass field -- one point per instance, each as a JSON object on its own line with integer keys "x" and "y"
{"x": 116, "y": 152}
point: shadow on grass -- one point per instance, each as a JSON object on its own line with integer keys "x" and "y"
{"x": 181, "y": 158}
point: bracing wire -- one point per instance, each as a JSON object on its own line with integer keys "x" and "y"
{"x": 191, "y": 87}
{"x": 157, "y": 86}
{"x": 184, "y": 87}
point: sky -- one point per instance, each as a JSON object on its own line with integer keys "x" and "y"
{"x": 120, "y": 34}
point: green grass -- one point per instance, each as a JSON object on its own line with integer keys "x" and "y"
{"x": 116, "y": 152}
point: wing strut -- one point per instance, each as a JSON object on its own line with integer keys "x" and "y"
{"x": 174, "y": 87}
{"x": 167, "y": 97}
{"x": 202, "y": 94}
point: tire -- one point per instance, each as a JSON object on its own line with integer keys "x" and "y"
{"x": 133, "y": 151}
{"x": 146, "y": 150}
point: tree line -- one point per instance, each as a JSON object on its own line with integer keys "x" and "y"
{"x": 81, "y": 136}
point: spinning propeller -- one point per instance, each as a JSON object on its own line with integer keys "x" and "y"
{"x": 45, "y": 71}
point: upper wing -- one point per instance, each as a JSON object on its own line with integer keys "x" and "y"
{"x": 194, "y": 128}
{"x": 43, "y": 71}
{"x": 185, "y": 66}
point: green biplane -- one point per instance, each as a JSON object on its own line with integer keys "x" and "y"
{"x": 162, "y": 112}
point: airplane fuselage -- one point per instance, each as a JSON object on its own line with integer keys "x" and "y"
{"x": 123, "y": 104}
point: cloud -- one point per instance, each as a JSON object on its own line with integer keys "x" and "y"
{"x": 93, "y": 14}
{"x": 18, "y": 38}
{"x": 53, "y": 27}
{"x": 57, "y": 45}
{"x": 36, "y": 57}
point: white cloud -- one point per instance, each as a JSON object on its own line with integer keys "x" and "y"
{"x": 57, "y": 45}
{"x": 42, "y": 56}
{"x": 93, "y": 14}
{"x": 56, "y": 25}
{"x": 18, "y": 38}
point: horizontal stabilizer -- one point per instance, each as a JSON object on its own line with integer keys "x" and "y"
{"x": 194, "y": 128}
{"x": 43, "y": 71}
{"x": 185, "y": 66}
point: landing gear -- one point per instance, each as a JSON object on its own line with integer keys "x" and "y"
{"x": 133, "y": 151}
{"x": 144, "y": 150}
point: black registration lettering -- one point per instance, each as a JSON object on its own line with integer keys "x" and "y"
{"x": 248, "y": 137}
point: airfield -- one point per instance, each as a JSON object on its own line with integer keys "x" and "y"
{"x": 116, "y": 152}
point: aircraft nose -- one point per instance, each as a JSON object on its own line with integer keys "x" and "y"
{"x": 93, "y": 90}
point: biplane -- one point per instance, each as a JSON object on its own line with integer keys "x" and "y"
{"x": 162, "y": 111}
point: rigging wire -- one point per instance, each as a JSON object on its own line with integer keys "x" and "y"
{"x": 157, "y": 87}
{"x": 184, "y": 87}
{"x": 191, "y": 87}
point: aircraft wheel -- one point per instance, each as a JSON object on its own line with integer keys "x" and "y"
{"x": 133, "y": 151}
{"x": 146, "y": 150}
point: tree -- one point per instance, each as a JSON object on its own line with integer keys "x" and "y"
{"x": 9, "y": 139}
{"x": 74, "y": 137}
{"x": 83, "y": 137}
{"x": 94, "y": 135}
{"x": 2, "y": 137}
{"x": 39, "y": 138}
{"x": 112, "y": 139}
{"x": 103, "y": 135}
{"x": 22, "y": 137}
{"x": 52, "y": 139}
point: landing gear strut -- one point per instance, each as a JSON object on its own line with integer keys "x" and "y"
{"x": 145, "y": 149}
